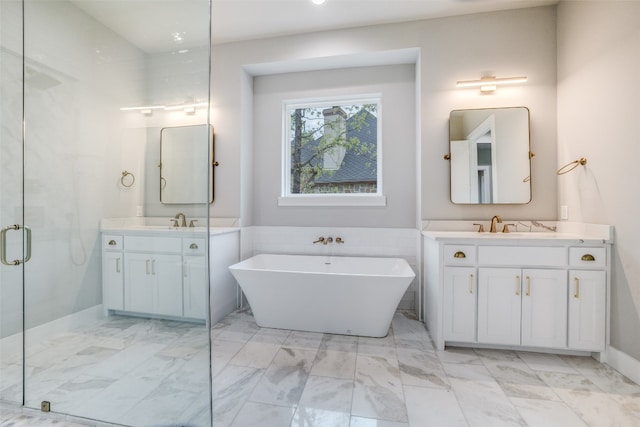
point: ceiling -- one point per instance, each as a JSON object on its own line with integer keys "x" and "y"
{"x": 164, "y": 25}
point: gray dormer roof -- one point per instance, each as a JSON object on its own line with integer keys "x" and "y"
{"x": 355, "y": 167}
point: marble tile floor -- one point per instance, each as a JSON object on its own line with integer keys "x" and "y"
{"x": 272, "y": 378}
{"x": 124, "y": 370}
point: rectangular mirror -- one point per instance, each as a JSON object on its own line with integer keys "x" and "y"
{"x": 490, "y": 156}
{"x": 183, "y": 170}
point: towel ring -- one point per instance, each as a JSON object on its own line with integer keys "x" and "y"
{"x": 126, "y": 174}
{"x": 572, "y": 165}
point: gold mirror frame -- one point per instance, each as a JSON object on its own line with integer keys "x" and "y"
{"x": 490, "y": 156}
{"x": 183, "y": 174}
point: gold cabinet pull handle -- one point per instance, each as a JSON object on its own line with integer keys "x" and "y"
{"x": 471, "y": 283}
{"x": 528, "y": 286}
{"x": 588, "y": 257}
{"x": 112, "y": 242}
{"x": 518, "y": 285}
{"x": 459, "y": 254}
{"x": 577, "y": 293}
{"x": 118, "y": 265}
{"x": 193, "y": 246}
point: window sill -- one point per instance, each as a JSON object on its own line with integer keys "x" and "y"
{"x": 321, "y": 200}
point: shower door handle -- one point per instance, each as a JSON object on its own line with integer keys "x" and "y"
{"x": 3, "y": 244}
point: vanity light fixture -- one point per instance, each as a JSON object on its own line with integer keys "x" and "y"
{"x": 490, "y": 83}
{"x": 187, "y": 108}
{"x": 146, "y": 110}
{"x": 318, "y": 2}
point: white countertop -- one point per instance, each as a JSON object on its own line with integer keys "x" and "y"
{"x": 155, "y": 225}
{"x": 566, "y": 232}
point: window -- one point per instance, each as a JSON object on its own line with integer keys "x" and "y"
{"x": 332, "y": 152}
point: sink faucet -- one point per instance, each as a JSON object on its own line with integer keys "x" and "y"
{"x": 494, "y": 220}
{"x": 184, "y": 219}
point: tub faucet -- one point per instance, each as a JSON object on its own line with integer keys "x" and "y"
{"x": 494, "y": 220}
{"x": 327, "y": 240}
{"x": 320, "y": 240}
{"x": 184, "y": 219}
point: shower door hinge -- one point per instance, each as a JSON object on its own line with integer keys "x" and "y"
{"x": 45, "y": 406}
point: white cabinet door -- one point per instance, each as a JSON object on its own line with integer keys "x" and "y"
{"x": 587, "y": 310}
{"x": 153, "y": 283}
{"x": 459, "y": 304}
{"x": 499, "y": 305}
{"x": 138, "y": 283}
{"x": 166, "y": 271}
{"x": 112, "y": 281}
{"x": 544, "y": 308}
{"x": 195, "y": 281}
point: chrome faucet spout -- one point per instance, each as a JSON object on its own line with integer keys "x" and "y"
{"x": 183, "y": 223}
{"x": 496, "y": 219}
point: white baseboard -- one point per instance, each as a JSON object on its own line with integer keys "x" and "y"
{"x": 623, "y": 363}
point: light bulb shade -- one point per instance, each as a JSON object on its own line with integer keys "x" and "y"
{"x": 142, "y": 108}
{"x": 184, "y": 106}
{"x": 491, "y": 81}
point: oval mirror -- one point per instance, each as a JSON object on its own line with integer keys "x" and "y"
{"x": 490, "y": 156}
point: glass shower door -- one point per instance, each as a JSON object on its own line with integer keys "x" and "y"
{"x": 81, "y": 67}
{"x": 11, "y": 220}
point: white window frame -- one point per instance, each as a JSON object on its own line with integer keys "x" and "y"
{"x": 342, "y": 199}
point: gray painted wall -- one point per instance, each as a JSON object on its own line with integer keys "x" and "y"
{"x": 598, "y": 92}
{"x": 396, "y": 85}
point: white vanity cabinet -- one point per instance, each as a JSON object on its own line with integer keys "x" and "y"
{"x": 522, "y": 307}
{"x": 587, "y": 296}
{"x": 153, "y": 275}
{"x": 459, "y": 293}
{"x": 151, "y": 269}
{"x": 460, "y": 315}
{"x": 548, "y": 293}
{"x": 112, "y": 272}
{"x": 194, "y": 272}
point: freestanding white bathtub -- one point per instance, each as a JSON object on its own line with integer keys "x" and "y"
{"x": 338, "y": 295}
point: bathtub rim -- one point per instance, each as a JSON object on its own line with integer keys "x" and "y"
{"x": 406, "y": 272}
